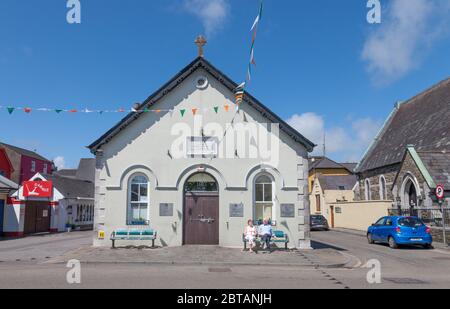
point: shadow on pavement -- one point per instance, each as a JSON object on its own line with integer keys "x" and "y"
{"x": 317, "y": 245}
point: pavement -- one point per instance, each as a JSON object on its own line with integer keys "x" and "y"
{"x": 39, "y": 248}
{"x": 208, "y": 255}
{"x": 341, "y": 260}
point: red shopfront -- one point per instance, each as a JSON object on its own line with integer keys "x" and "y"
{"x": 37, "y": 211}
{"x": 33, "y": 209}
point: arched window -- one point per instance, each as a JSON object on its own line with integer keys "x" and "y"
{"x": 138, "y": 201}
{"x": 264, "y": 206}
{"x": 383, "y": 195}
{"x": 201, "y": 182}
{"x": 367, "y": 190}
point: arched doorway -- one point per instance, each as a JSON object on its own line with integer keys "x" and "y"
{"x": 410, "y": 196}
{"x": 201, "y": 210}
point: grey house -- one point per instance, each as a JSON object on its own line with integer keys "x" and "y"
{"x": 191, "y": 164}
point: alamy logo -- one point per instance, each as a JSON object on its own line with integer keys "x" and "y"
{"x": 74, "y": 13}
{"x": 73, "y": 276}
{"x": 374, "y": 274}
{"x": 254, "y": 141}
{"x": 374, "y": 14}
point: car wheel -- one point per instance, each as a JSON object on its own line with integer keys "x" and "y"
{"x": 428, "y": 246}
{"x": 369, "y": 239}
{"x": 392, "y": 243}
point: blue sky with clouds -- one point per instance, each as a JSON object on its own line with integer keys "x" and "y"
{"x": 320, "y": 65}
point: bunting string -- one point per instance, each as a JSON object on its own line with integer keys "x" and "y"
{"x": 240, "y": 90}
{"x": 182, "y": 111}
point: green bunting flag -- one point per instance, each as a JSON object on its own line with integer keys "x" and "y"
{"x": 183, "y": 112}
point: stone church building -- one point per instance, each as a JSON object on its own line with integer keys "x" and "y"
{"x": 411, "y": 154}
{"x": 193, "y": 165}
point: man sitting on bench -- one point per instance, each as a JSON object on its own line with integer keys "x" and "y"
{"x": 266, "y": 233}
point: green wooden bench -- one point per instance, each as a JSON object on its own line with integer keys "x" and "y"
{"x": 133, "y": 235}
{"x": 278, "y": 237}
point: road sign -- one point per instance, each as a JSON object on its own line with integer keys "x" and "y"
{"x": 440, "y": 191}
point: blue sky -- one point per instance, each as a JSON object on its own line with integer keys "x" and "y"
{"x": 320, "y": 64}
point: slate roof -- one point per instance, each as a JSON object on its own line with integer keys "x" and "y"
{"x": 327, "y": 163}
{"x": 86, "y": 170}
{"x": 70, "y": 173}
{"x": 335, "y": 182}
{"x": 25, "y": 152}
{"x": 438, "y": 165}
{"x": 200, "y": 62}
{"x": 350, "y": 166}
{"x": 423, "y": 121}
{"x": 7, "y": 185}
{"x": 72, "y": 188}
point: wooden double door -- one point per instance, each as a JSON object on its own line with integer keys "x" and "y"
{"x": 37, "y": 217}
{"x": 201, "y": 219}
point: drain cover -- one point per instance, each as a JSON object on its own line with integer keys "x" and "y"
{"x": 220, "y": 270}
{"x": 405, "y": 281}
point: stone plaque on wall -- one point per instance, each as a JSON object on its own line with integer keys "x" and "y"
{"x": 287, "y": 210}
{"x": 166, "y": 210}
{"x": 237, "y": 210}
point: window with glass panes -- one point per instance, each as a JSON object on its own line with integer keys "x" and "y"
{"x": 263, "y": 198}
{"x": 138, "y": 204}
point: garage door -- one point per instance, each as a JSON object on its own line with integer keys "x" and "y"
{"x": 37, "y": 217}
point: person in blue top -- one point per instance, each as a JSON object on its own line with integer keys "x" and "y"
{"x": 266, "y": 233}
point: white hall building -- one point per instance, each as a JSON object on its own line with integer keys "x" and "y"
{"x": 192, "y": 166}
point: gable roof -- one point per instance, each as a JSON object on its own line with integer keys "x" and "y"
{"x": 2, "y": 151}
{"x": 85, "y": 171}
{"x": 422, "y": 121}
{"x": 68, "y": 173}
{"x": 438, "y": 166}
{"x": 7, "y": 185}
{"x": 200, "y": 62}
{"x": 25, "y": 152}
{"x": 327, "y": 163}
{"x": 335, "y": 182}
{"x": 72, "y": 188}
{"x": 350, "y": 166}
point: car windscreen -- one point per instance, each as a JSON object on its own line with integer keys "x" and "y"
{"x": 317, "y": 218}
{"x": 410, "y": 222}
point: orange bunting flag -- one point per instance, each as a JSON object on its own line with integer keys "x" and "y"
{"x": 27, "y": 110}
{"x": 121, "y": 110}
{"x": 158, "y": 111}
{"x": 194, "y": 111}
{"x": 227, "y": 108}
{"x": 73, "y": 111}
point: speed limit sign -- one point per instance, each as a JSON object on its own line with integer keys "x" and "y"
{"x": 440, "y": 191}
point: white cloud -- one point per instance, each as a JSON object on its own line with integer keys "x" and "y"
{"x": 408, "y": 29}
{"x": 212, "y": 13}
{"x": 342, "y": 144}
{"x": 60, "y": 162}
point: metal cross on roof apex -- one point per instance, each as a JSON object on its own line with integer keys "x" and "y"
{"x": 200, "y": 41}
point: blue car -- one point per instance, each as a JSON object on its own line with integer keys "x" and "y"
{"x": 397, "y": 231}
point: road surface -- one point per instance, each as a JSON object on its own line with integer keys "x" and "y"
{"x": 23, "y": 265}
